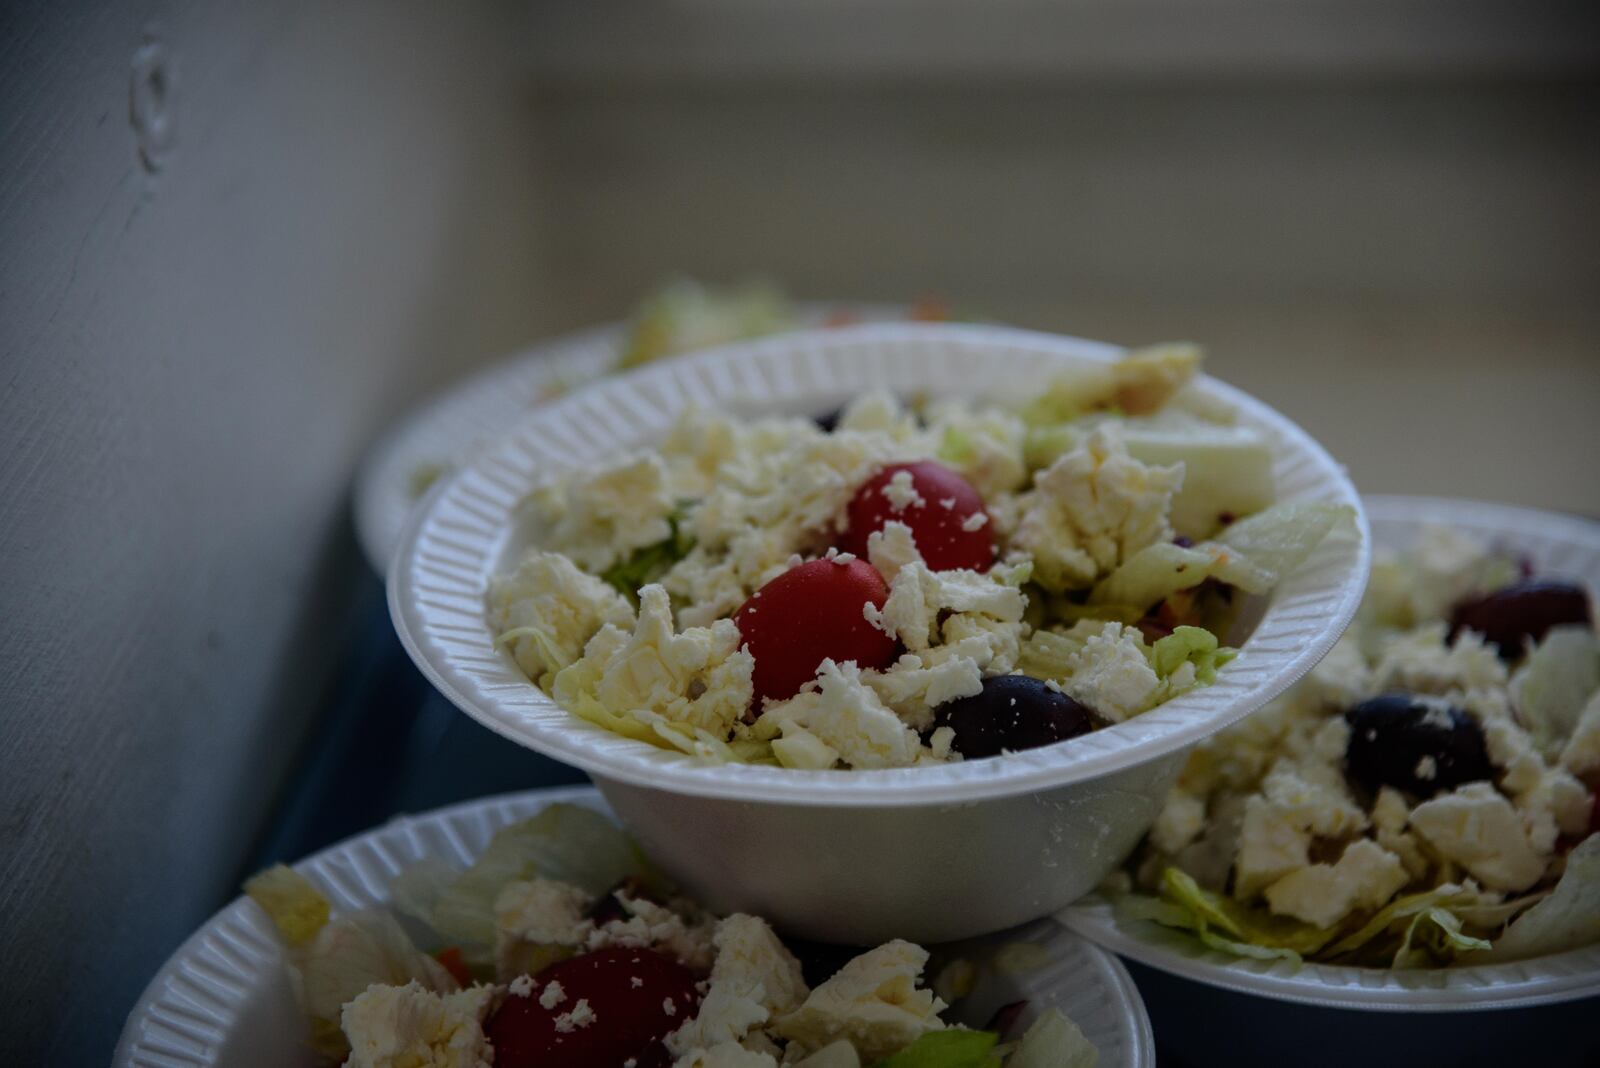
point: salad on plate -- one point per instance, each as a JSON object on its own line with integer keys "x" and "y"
{"x": 895, "y": 584}
{"x": 560, "y": 947}
{"x": 1425, "y": 796}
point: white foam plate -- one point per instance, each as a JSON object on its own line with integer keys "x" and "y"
{"x": 449, "y": 428}
{"x": 1558, "y": 546}
{"x": 225, "y": 999}
{"x": 464, "y": 534}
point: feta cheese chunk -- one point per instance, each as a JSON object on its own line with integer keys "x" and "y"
{"x": 1111, "y": 675}
{"x": 873, "y": 1001}
{"x": 1581, "y": 754}
{"x": 1365, "y": 877}
{"x": 600, "y": 518}
{"x": 699, "y": 678}
{"x": 412, "y": 1027}
{"x": 537, "y": 922}
{"x": 1093, "y": 508}
{"x": 547, "y": 610}
{"x": 1476, "y": 827}
{"x": 725, "y": 1055}
{"x": 846, "y": 715}
{"x": 753, "y": 977}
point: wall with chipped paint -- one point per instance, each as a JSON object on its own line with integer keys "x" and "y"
{"x": 234, "y": 239}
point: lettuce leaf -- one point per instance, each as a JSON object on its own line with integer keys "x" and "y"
{"x": 1158, "y": 571}
{"x": 646, "y": 565}
{"x": 1279, "y": 539}
{"x": 1448, "y": 898}
{"x": 567, "y": 843}
{"x": 1551, "y": 689}
{"x": 296, "y": 907}
{"x": 1189, "y": 645}
{"x": 1434, "y": 936}
{"x": 1568, "y": 918}
{"x": 1226, "y": 924}
{"x": 953, "y": 1048}
{"x": 1053, "y": 1041}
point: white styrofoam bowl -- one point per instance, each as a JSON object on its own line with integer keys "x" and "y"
{"x": 1003, "y": 840}
{"x": 1557, "y": 546}
{"x": 225, "y": 999}
{"x": 447, "y": 429}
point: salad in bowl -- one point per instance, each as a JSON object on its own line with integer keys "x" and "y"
{"x": 560, "y": 946}
{"x": 1426, "y": 796}
{"x": 904, "y": 583}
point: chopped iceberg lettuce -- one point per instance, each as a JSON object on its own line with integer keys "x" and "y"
{"x": 1568, "y": 918}
{"x": 953, "y": 1048}
{"x": 296, "y": 907}
{"x": 1053, "y": 1041}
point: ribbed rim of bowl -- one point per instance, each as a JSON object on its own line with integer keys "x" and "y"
{"x": 187, "y": 1015}
{"x": 456, "y": 541}
{"x": 451, "y": 425}
{"x": 1559, "y": 544}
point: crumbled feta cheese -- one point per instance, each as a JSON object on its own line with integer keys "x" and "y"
{"x": 1476, "y": 827}
{"x": 1341, "y": 678}
{"x": 1093, "y": 508}
{"x": 579, "y": 1017}
{"x": 842, "y": 711}
{"x": 901, "y": 492}
{"x": 873, "y": 1001}
{"x": 913, "y": 690}
{"x": 892, "y": 547}
{"x": 918, "y": 596}
{"x": 700, "y": 678}
{"x": 405, "y": 1026}
{"x": 1427, "y": 768}
{"x": 1180, "y": 821}
{"x": 975, "y": 521}
{"x": 1581, "y": 754}
{"x": 1421, "y": 661}
{"x": 1390, "y": 817}
{"x": 1111, "y": 675}
{"x": 1365, "y": 876}
{"x": 601, "y": 517}
{"x": 652, "y": 926}
{"x": 726, "y": 1055}
{"x": 520, "y": 987}
{"x": 536, "y": 922}
{"x": 753, "y": 978}
{"x": 547, "y": 609}
{"x": 552, "y": 995}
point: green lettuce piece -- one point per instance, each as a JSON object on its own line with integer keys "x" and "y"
{"x": 647, "y": 564}
{"x": 1045, "y": 653}
{"x": 1189, "y": 645}
{"x": 1053, "y": 1041}
{"x": 953, "y": 1048}
{"x": 1227, "y": 924}
{"x": 685, "y": 315}
{"x": 1279, "y": 539}
{"x": 840, "y": 1054}
{"x": 1449, "y": 898}
{"x": 1568, "y": 918}
{"x": 1551, "y": 689}
{"x": 568, "y": 843}
{"x": 1434, "y": 936}
{"x": 296, "y": 907}
{"x": 1044, "y": 445}
{"x": 1158, "y": 571}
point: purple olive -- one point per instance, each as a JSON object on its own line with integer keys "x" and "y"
{"x": 1513, "y": 616}
{"x": 1013, "y": 712}
{"x": 1399, "y": 740}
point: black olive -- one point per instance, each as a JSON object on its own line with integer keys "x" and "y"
{"x": 828, "y": 421}
{"x": 1013, "y": 712}
{"x": 1523, "y": 612}
{"x": 1399, "y": 740}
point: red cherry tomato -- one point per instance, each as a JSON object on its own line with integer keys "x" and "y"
{"x": 942, "y": 523}
{"x": 809, "y": 614}
{"x": 628, "y": 992}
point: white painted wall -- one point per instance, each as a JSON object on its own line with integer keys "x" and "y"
{"x": 190, "y": 364}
